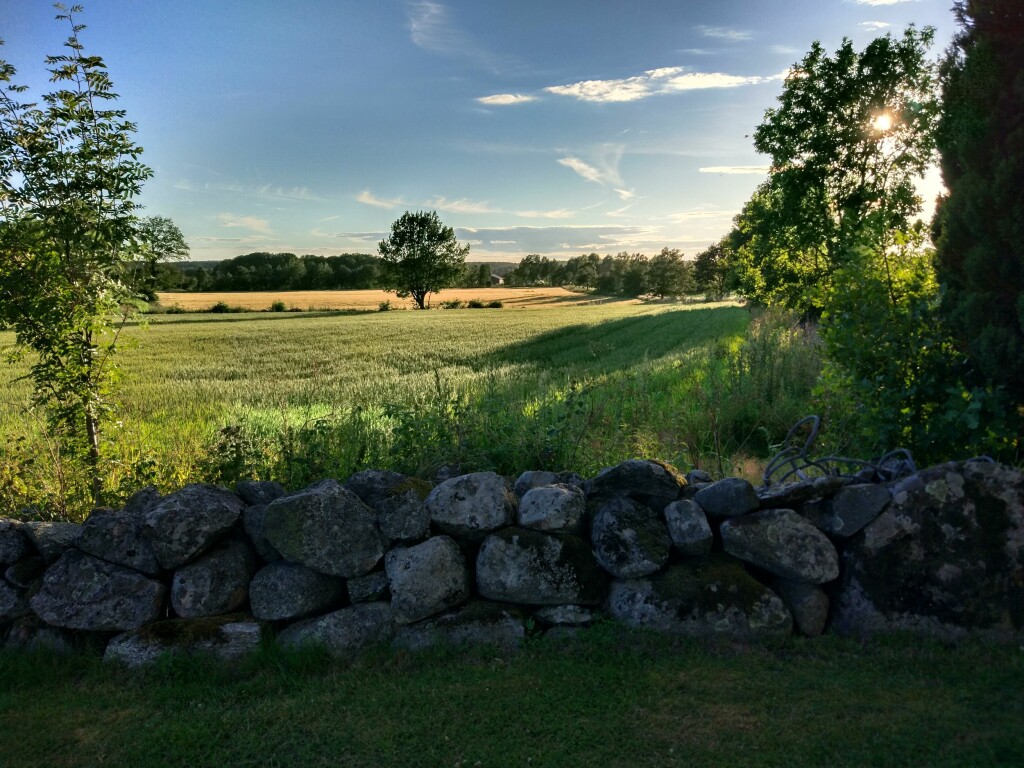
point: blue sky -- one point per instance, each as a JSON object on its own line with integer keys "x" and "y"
{"x": 556, "y": 127}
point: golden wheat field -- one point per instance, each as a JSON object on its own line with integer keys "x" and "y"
{"x": 512, "y": 298}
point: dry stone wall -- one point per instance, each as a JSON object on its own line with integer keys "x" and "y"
{"x": 385, "y": 558}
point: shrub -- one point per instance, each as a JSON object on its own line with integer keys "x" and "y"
{"x": 384, "y": 306}
{"x": 475, "y": 304}
{"x": 452, "y": 304}
{"x": 277, "y": 306}
{"x": 220, "y": 307}
{"x": 495, "y": 304}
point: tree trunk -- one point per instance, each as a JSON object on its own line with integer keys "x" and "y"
{"x": 92, "y": 434}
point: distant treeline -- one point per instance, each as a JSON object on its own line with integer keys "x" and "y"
{"x": 625, "y": 274}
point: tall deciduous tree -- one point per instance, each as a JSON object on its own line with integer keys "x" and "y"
{"x": 980, "y": 225}
{"x": 69, "y": 170}
{"x": 160, "y": 241}
{"x": 851, "y": 135}
{"x": 669, "y": 275}
{"x": 421, "y": 256}
{"x": 712, "y": 269}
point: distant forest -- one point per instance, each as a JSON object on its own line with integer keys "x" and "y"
{"x": 631, "y": 274}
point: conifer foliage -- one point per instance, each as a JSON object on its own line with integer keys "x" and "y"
{"x": 980, "y": 225}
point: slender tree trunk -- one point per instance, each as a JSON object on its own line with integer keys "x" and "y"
{"x": 92, "y": 434}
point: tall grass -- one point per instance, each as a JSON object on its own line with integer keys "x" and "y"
{"x": 300, "y": 398}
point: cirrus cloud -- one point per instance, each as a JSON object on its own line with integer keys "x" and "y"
{"x": 504, "y": 99}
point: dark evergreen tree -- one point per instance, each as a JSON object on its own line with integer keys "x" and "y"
{"x": 979, "y": 227}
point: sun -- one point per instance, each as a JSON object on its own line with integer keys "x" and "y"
{"x": 882, "y": 122}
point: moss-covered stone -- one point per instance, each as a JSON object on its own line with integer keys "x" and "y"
{"x": 705, "y": 597}
{"x": 945, "y": 557}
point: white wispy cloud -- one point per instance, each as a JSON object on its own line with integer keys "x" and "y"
{"x": 366, "y": 197}
{"x": 625, "y": 195}
{"x": 882, "y": 2}
{"x": 245, "y": 222}
{"x": 785, "y": 50}
{"x": 587, "y": 171}
{"x": 604, "y": 168}
{"x": 736, "y": 169}
{"x": 653, "y": 82}
{"x": 504, "y": 99}
{"x": 459, "y": 206}
{"x": 701, "y": 213}
{"x": 559, "y": 213}
{"x": 432, "y": 29}
{"x": 725, "y": 33}
{"x": 266, "y": 191}
{"x": 874, "y": 26}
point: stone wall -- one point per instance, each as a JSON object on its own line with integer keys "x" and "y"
{"x": 385, "y": 558}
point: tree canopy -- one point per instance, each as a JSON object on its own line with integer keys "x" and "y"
{"x": 421, "y": 256}
{"x": 851, "y": 135}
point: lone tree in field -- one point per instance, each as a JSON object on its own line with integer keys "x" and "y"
{"x": 160, "y": 241}
{"x": 68, "y": 173}
{"x": 420, "y": 257}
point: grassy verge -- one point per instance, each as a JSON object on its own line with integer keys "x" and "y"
{"x": 605, "y": 699}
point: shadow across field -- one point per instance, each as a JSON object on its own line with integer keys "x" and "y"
{"x": 619, "y": 344}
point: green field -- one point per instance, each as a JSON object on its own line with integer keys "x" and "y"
{"x": 611, "y": 698}
{"x": 302, "y": 396}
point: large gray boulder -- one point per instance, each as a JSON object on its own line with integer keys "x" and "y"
{"x": 343, "y": 633}
{"x": 287, "y": 591}
{"x": 479, "y": 623}
{"x": 630, "y": 539}
{"x": 326, "y": 528}
{"x": 538, "y": 478}
{"x": 216, "y": 583}
{"x": 517, "y": 565}
{"x": 116, "y": 536}
{"x": 688, "y": 528}
{"x": 709, "y": 597}
{"x": 846, "y": 513}
{"x": 945, "y": 558}
{"x": 471, "y": 506}
{"x": 187, "y": 523}
{"x": 227, "y": 638}
{"x": 783, "y": 543}
{"x": 80, "y": 591}
{"x": 558, "y": 507}
{"x": 51, "y": 540}
{"x": 427, "y": 578}
{"x": 651, "y": 482}
{"x": 729, "y": 497}
{"x": 398, "y": 501}
{"x": 13, "y": 544}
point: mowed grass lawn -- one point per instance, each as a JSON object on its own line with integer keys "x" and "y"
{"x": 611, "y": 698}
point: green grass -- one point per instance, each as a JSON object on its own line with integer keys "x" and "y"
{"x": 612, "y": 698}
{"x": 309, "y": 396}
